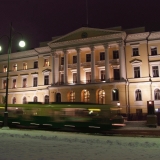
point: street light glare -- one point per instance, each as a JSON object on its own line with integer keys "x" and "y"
{"x": 0, "y": 48}
{"x": 21, "y": 43}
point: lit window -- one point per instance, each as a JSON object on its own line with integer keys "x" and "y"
{"x": 102, "y": 56}
{"x": 136, "y": 72}
{"x": 24, "y": 66}
{"x": 24, "y": 82}
{"x": 35, "y": 82}
{"x": 135, "y": 52}
{"x": 46, "y": 62}
{"x": 86, "y": 96}
{"x": 14, "y": 83}
{"x": 46, "y": 80}
{"x": 156, "y": 94}
{"x": 88, "y": 57}
{"x": 115, "y": 95}
{"x": 35, "y": 64}
{"x": 4, "y": 68}
{"x": 101, "y": 97}
{"x": 15, "y": 67}
{"x": 115, "y": 55}
{"x": 155, "y": 71}
{"x": 72, "y": 96}
{"x": 138, "y": 95}
{"x": 46, "y": 99}
{"x": 154, "y": 51}
{"x": 4, "y": 84}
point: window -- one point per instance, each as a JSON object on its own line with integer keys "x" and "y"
{"x": 15, "y": 67}
{"x": 24, "y": 66}
{"x": 14, "y": 100}
{"x": 4, "y": 68}
{"x": 46, "y": 80}
{"x": 74, "y": 77}
{"x": 74, "y": 59}
{"x": 138, "y": 95}
{"x": 62, "y": 78}
{"x": 102, "y": 56}
{"x": 4, "y": 84}
{"x": 46, "y": 99}
{"x": 46, "y": 62}
{"x": 86, "y": 96}
{"x": 156, "y": 94}
{"x": 88, "y": 57}
{"x": 101, "y": 97}
{"x": 136, "y": 72}
{"x": 14, "y": 83}
{"x": 135, "y": 52}
{"x": 72, "y": 96}
{"x": 115, "y": 95}
{"x": 24, "y": 82}
{"x": 88, "y": 77}
{"x": 116, "y": 74}
{"x": 62, "y": 60}
{"x": 102, "y": 75}
{"x": 35, "y": 64}
{"x": 24, "y": 100}
{"x": 154, "y": 51}
{"x": 115, "y": 55}
{"x": 35, "y": 82}
{"x": 35, "y": 99}
{"x": 155, "y": 71}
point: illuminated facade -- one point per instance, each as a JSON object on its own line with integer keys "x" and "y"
{"x": 87, "y": 65}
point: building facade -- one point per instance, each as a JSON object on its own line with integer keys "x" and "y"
{"x": 87, "y": 65}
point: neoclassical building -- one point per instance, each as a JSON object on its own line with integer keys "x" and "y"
{"x": 102, "y": 66}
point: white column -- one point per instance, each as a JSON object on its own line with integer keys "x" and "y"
{"x": 78, "y": 65}
{"x": 53, "y": 68}
{"x": 65, "y": 67}
{"x": 107, "y": 69}
{"x": 56, "y": 66}
{"x": 122, "y": 61}
{"x": 92, "y": 64}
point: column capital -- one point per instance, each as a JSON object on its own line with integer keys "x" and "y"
{"x": 105, "y": 45}
{"x": 92, "y": 47}
{"x": 120, "y": 43}
{"x": 78, "y": 49}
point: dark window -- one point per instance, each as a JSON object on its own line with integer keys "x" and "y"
{"x": 14, "y": 100}
{"x": 46, "y": 99}
{"x": 35, "y": 80}
{"x": 116, "y": 74}
{"x": 62, "y": 78}
{"x": 4, "y": 84}
{"x": 36, "y": 64}
{"x": 115, "y": 95}
{"x": 74, "y": 77}
{"x": 46, "y": 80}
{"x": 135, "y": 52}
{"x": 102, "y": 56}
{"x": 35, "y": 99}
{"x": 154, "y": 51}
{"x": 138, "y": 95}
{"x": 24, "y": 82}
{"x": 14, "y": 83}
{"x": 74, "y": 59}
{"x": 157, "y": 94}
{"x": 102, "y": 75}
{"x": 115, "y": 55}
{"x": 24, "y": 100}
{"x": 88, "y": 57}
{"x": 136, "y": 72}
{"x": 62, "y": 60}
{"x": 155, "y": 71}
{"x": 88, "y": 77}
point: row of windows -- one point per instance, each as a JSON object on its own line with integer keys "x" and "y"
{"x": 88, "y": 57}
{"x": 24, "y": 82}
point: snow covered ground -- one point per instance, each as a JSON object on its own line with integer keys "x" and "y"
{"x": 46, "y": 145}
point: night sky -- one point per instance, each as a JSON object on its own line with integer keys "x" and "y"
{"x": 39, "y": 20}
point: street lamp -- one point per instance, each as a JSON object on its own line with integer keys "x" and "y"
{"x": 21, "y": 44}
{"x": 118, "y": 104}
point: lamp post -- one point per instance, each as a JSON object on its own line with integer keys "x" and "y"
{"x": 21, "y": 44}
{"x": 118, "y": 104}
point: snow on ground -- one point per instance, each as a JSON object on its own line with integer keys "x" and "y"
{"x": 46, "y": 145}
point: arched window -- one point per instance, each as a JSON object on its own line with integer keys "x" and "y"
{"x": 156, "y": 94}
{"x": 35, "y": 99}
{"x": 101, "y": 97}
{"x": 138, "y": 95}
{"x": 115, "y": 95}
{"x": 46, "y": 99}
{"x": 15, "y": 67}
{"x": 24, "y": 100}
{"x": 72, "y": 96}
{"x": 14, "y": 100}
{"x": 86, "y": 96}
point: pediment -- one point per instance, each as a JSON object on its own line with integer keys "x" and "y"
{"x": 83, "y": 33}
{"x": 136, "y": 61}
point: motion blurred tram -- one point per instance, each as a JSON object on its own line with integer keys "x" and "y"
{"x": 60, "y": 116}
